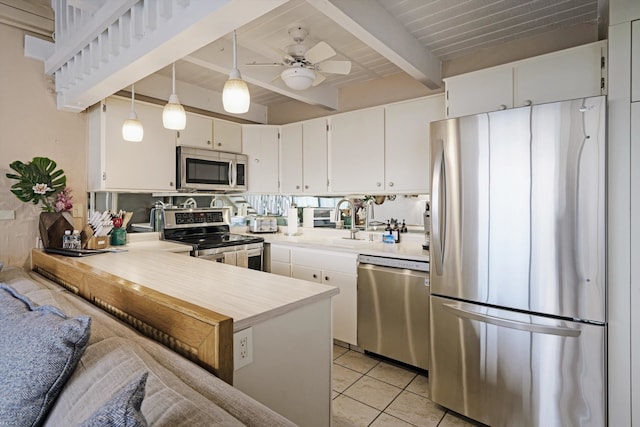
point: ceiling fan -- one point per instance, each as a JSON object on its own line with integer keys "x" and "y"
{"x": 306, "y": 66}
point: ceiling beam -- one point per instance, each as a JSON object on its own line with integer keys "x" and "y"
{"x": 374, "y": 26}
{"x": 218, "y": 57}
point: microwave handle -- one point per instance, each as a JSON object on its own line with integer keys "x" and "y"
{"x": 232, "y": 174}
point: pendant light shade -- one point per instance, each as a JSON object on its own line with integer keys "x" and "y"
{"x": 173, "y": 115}
{"x": 132, "y": 129}
{"x": 235, "y": 95}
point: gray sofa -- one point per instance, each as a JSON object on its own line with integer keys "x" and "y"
{"x": 178, "y": 392}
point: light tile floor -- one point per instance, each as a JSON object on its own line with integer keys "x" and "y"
{"x": 368, "y": 391}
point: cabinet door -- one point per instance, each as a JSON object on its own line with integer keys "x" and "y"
{"x": 306, "y": 273}
{"x": 345, "y": 310}
{"x": 227, "y": 136}
{"x": 291, "y": 159}
{"x": 281, "y": 268}
{"x": 568, "y": 74}
{"x": 480, "y": 91}
{"x": 123, "y": 160}
{"x": 260, "y": 144}
{"x": 314, "y": 156}
{"x": 197, "y": 133}
{"x": 357, "y": 152}
{"x": 406, "y": 144}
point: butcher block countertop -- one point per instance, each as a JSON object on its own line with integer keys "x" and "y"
{"x": 249, "y": 297}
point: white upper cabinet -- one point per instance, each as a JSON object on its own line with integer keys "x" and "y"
{"x": 115, "y": 164}
{"x": 407, "y": 144}
{"x": 485, "y": 90}
{"x": 215, "y": 134}
{"x": 314, "y": 156}
{"x": 291, "y": 158}
{"x": 260, "y": 144}
{"x": 568, "y": 74}
{"x": 227, "y": 136}
{"x": 198, "y": 132}
{"x": 571, "y": 73}
{"x": 356, "y": 153}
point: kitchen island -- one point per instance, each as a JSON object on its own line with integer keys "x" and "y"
{"x": 287, "y": 321}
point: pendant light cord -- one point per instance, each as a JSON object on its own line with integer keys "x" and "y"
{"x": 173, "y": 79}
{"x": 133, "y": 95}
{"x": 235, "y": 54}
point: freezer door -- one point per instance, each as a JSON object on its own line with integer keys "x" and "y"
{"x": 506, "y": 368}
{"x": 518, "y": 202}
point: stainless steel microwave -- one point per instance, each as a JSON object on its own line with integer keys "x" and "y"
{"x": 199, "y": 169}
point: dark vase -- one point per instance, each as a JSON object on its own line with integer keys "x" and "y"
{"x": 52, "y": 227}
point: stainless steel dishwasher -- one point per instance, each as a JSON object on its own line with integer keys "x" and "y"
{"x": 393, "y": 308}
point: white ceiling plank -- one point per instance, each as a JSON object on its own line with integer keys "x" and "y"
{"x": 218, "y": 57}
{"x": 374, "y": 26}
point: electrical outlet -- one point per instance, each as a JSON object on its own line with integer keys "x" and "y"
{"x": 77, "y": 211}
{"x": 7, "y": 215}
{"x": 242, "y": 348}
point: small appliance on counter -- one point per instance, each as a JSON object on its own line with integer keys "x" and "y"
{"x": 263, "y": 224}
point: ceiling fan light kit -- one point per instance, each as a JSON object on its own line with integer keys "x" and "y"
{"x": 298, "y": 78}
{"x": 235, "y": 95}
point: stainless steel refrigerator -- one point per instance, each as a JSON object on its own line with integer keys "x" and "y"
{"x": 518, "y": 321}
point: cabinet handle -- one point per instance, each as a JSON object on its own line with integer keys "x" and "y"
{"x": 527, "y": 102}
{"x": 391, "y": 184}
{"x": 378, "y": 184}
{"x": 170, "y": 183}
{"x": 502, "y": 107}
{"x": 257, "y": 160}
{"x": 297, "y": 187}
{"x": 219, "y": 144}
{"x": 208, "y": 142}
{"x": 315, "y": 276}
{"x": 326, "y": 278}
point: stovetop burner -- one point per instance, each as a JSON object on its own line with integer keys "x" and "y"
{"x": 216, "y": 240}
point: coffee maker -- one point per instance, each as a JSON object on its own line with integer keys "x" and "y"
{"x": 427, "y": 225}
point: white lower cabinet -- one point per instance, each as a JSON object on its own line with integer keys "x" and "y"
{"x": 329, "y": 268}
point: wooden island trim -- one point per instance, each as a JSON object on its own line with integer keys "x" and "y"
{"x": 199, "y": 334}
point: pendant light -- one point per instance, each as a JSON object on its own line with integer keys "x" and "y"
{"x": 235, "y": 95}
{"x": 132, "y": 129}
{"x": 173, "y": 115}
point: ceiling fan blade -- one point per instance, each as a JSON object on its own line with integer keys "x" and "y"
{"x": 319, "y": 52}
{"x": 319, "y": 79}
{"x": 265, "y": 64}
{"x": 334, "y": 67}
{"x": 283, "y": 54}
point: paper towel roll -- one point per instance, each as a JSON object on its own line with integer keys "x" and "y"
{"x": 307, "y": 217}
{"x": 292, "y": 221}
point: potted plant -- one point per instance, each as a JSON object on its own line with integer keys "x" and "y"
{"x": 40, "y": 182}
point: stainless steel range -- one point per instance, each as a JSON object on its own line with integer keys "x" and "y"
{"x": 207, "y": 231}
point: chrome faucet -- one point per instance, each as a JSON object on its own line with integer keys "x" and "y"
{"x": 353, "y": 230}
{"x": 368, "y": 207}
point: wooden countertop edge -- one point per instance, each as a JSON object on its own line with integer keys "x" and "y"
{"x": 200, "y": 334}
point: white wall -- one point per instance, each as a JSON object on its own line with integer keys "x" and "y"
{"x": 30, "y": 125}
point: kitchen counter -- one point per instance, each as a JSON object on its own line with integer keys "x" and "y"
{"x": 410, "y": 246}
{"x": 247, "y": 296}
{"x": 151, "y": 242}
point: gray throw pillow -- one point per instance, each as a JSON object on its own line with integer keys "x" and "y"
{"x": 39, "y": 349}
{"x": 123, "y": 409}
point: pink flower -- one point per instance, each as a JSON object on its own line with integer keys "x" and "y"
{"x": 63, "y": 200}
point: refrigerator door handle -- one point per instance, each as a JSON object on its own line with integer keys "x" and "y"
{"x": 513, "y": 324}
{"x": 436, "y": 201}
